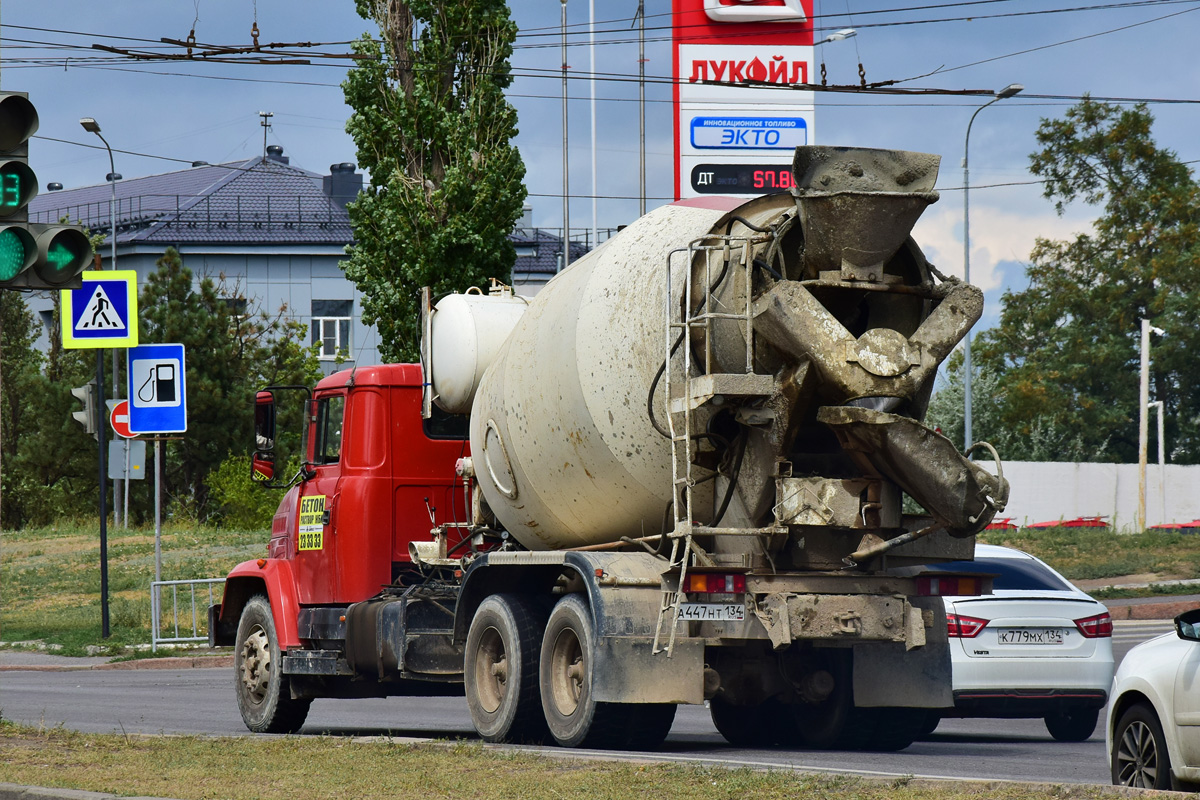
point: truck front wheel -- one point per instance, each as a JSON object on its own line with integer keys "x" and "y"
{"x": 263, "y": 694}
{"x": 501, "y": 670}
{"x": 574, "y": 717}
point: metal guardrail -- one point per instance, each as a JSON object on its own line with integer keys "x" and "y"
{"x": 203, "y": 211}
{"x": 199, "y": 618}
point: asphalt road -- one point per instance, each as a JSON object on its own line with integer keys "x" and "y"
{"x": 201, "y": 701}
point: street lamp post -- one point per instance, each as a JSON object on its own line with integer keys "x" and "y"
{"x": 1144, "y": 421}
{"x": 1003, "y": 94}
{"x": 91, "y": 126}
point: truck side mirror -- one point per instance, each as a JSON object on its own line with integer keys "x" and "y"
{"x": 262, "y": 463}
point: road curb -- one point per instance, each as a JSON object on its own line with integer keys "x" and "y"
{"x": 13, "y": 791}
{"x": 174, "y": 662}
{"x": 1147, "y": 611}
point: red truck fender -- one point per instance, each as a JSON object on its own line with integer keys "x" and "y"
{"x": 271, "y": 576}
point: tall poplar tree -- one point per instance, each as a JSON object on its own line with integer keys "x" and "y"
{"x": 433, "y": 129}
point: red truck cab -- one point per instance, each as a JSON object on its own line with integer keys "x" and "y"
{"x": 375, "y": 477}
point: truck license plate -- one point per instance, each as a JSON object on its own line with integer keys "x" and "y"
{"x": 1030, "y": 636}
{"x": 712, "y": 611}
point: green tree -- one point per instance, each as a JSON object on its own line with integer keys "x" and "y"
{"x": 231, "y": 354}
{"x": 19, "y": 366}
{"x": 1042, "y": 441}
{"x": 1067, "y": 347}
{"x": 49, "y": 461}
{"x": 433, "y": 128}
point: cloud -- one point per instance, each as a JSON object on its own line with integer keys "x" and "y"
{"x": 999, "y": 235}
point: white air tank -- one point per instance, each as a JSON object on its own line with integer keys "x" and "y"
{"x": 466, "y": 331}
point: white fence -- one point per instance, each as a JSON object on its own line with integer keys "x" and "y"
{"x": 1043, "y": 491}
{"x": 184, "y": 618}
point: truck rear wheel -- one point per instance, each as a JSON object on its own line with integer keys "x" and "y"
{"x": 263, "y": 694}
{"x": 501, "y": 670}
{"x": 574, "y": 717}
{"x": 758, "y": 725}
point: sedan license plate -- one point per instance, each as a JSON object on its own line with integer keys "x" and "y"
{"x": 1030, "y": 636}
{"x": 712, "y": 611}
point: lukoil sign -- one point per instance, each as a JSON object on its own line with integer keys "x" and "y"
{"x": 753, "y": 11}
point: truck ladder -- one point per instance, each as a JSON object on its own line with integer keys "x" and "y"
{"x": 688, "y": 386}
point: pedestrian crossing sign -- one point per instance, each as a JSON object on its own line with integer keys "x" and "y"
{"x": 103, "y": 312}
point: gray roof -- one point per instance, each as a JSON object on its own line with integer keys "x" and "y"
{"x": 258, "y": 201}
{"x": 538, "y": 250}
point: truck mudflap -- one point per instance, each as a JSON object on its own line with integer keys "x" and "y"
{"x": 885, "y": 675}
{"x": 789, "y": 617}
{"x": 627, "y": 671}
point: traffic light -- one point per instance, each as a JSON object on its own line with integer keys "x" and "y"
{"x": 87, "y": 417}
{"x": 32, "y": 255}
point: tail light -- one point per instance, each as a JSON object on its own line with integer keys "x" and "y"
{"x": 949, "y": 586}
{"x": 1097, "y": 627}
{"x": 959, "y": 626}
{"x": 715, "y": 583}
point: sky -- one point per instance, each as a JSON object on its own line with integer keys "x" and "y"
{"x": 1058, "y": 49}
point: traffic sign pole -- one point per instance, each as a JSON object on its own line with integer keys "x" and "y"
{"x": 104, "y": 631}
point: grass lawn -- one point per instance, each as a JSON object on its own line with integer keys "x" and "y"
{"x": 50, "y": 579}
{"x": 1089, "y": 553}
{"x": 315, "y": 768}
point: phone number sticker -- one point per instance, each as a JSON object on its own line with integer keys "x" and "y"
{"x": 312, "y": 522}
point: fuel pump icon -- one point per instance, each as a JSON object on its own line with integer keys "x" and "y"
{"x": 160, "y": 385}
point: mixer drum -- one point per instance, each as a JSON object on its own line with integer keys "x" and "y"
{"x": 565, "y": 453}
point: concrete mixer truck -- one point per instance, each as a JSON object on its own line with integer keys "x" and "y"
{"x": 691, "y": 469}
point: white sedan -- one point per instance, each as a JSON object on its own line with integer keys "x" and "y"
{"x": 1154, "y": 713}
{"x": 1036, "y": 647}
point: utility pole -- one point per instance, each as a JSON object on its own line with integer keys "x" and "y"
{"x": 641, "y": 17}
{"x": 592, "y": 82}
{"x": 566, "y": 240}
{"x": 266, "y": 126}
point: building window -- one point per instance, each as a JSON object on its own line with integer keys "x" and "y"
{"x": 238, "y": 307}
{"x": 331, "y": 328}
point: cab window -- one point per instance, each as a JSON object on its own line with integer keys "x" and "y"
{"x": 328, "y": 445}
{"x": 443, "y": 425}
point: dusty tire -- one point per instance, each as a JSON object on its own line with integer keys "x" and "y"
{"x": 573, "y": 716}
{"x": 263, "y": 694}
{"x": 1073, "y": 725}
{"x": 747, "y": 725}
{"x": 836, "y": 723}
{"x": 829, "y": 724}
{"x": 1139, "y": 755}
{"x": 649, "y": 725}
{"x": 501, "y": 670}
{"x": 930, "y": 723}
{"x": 886, "y": 729}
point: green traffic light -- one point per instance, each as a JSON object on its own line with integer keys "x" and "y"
{"x": 65, "y": 251}
{"x": 61, "y": 257}
{"x": 10, "y": 189}
{"x": 12, "y": 255}
{"x": 18, "y": 185}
